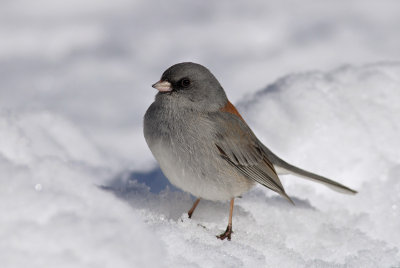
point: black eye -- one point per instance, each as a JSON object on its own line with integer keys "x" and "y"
{"x": 185, "y": 82}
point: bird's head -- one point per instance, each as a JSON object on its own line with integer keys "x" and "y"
{"x": 193, "y": 85}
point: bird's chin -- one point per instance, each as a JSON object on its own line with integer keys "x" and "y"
{"x": 169, "y": 92}
{"x": 166, "y": 94}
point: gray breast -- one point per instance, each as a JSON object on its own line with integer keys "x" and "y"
{"x": 182, "y": 144}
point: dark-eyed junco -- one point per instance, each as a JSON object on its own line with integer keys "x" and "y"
{"x": 205, "y": 147}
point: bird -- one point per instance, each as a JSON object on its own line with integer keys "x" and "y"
{"x": 205, "y": 147}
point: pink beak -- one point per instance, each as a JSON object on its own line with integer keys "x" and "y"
{"x": 163, "y": 86}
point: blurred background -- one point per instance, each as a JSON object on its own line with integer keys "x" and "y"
{"x": 93, "y": 62}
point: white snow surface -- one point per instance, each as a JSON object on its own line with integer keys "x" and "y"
{"x": 343, "y": 124}
{"x": 318, "y": 83}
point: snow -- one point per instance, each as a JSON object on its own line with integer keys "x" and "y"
{"x": 53, "y": 212}
{"x": 318, "y": 83}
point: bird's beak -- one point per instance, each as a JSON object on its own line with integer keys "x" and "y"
{"x": 163, "y": 86}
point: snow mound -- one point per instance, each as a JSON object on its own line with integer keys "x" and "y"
{"x": 343, "y": 122}
{"x": 53, "y": 212}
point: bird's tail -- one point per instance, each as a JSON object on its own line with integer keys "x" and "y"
{"x": 282, "y": 165}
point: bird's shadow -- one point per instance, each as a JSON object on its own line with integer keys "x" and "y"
{"x": 151, "y": 190}
{"x": 154, "y": 179}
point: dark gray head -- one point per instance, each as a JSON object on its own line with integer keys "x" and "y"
{"x": 191, "y": 85}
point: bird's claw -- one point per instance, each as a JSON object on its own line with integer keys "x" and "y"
{"x": 226, "y": 234}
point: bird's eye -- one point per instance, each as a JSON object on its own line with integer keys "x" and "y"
{"x": 185, "y": 82}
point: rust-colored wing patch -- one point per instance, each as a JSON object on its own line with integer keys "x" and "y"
{"x": 229, "y": 108}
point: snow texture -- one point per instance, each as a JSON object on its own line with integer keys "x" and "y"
{"x": 79, "y": 187}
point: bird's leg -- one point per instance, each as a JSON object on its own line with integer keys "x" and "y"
{"x": 228, "y": 231}
{"x": 190, "y": 212}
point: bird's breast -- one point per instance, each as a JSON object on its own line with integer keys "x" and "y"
{"x": 183, "y": 145}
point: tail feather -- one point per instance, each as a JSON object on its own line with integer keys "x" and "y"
{"x": 317, "y": 178}
{"x": 282, "y": 165}
{"x": 288, "y": 198}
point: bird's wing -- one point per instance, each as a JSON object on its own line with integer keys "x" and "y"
{"x": 238, "y": 145}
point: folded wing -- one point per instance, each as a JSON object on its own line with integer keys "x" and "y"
{"x": 238, "y": 145}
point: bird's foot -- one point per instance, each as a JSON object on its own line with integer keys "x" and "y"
{"x": 190, "y": 215}
{"x": 226, "y": 234}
